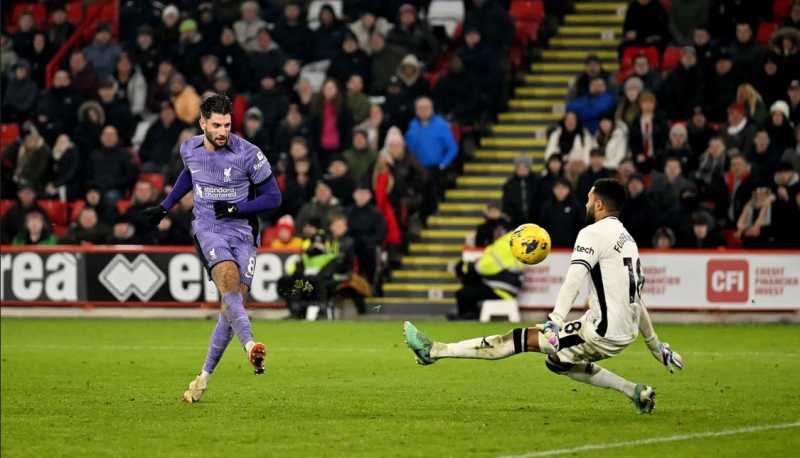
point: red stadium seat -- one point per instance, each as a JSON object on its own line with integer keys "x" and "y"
{"x": 239, "y": 109}
{"x": 56, "y": 211}
{"x": 38, "y": 10}
{"x": 156, "y": 179}
{"x": 9, "y": 133}
{"x": 74, "y": 12}
{"x": 765, "y": 31}
{"x": 59, "y": 230}
{"x": 123, "y": 205}
{"x": 651, "y": 52}
{"x": 75, "y": 210}
{"x": 5, "y": 206}
{"x": 672, "y": 57}
{"x": 268, "y": 235}
{"x": 781, "y": 9}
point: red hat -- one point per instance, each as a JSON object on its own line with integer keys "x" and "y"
{"x": 737, "y": 107}
{"x": 286, "y": 222}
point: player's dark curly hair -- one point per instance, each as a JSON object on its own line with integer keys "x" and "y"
{"x": 216, "y": 103}
{"x": 611, "y": 192}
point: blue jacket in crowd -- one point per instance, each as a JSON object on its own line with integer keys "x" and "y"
{"x": 433, "y": 144}
{"x": 591, "y": 108}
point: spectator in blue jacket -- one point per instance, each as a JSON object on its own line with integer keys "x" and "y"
{"x": 591, "y": 108}
{"x": 431, "y": 141}
{"x": 103, "y": 52}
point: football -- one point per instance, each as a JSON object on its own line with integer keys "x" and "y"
{"x": 530, "y": 244}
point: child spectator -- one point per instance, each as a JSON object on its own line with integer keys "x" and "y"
{"x": 286, "y": 240}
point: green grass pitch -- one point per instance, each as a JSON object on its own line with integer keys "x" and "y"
{"x": 112, "y": 388}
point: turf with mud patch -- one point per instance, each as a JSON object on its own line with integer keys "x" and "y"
{"x": 112, "y": 388}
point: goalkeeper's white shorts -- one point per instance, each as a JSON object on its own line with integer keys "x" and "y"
{"x": 579, "y": 343}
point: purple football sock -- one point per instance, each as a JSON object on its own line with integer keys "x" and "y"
{"x": 220, "y": 339}
{"x": 233, "y": 309}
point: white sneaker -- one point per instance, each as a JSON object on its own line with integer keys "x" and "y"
{"x": 195, "y": 391}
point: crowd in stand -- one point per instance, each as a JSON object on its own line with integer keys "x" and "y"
{"x": 340, "y": 106}
{"x": 709, "y": 150}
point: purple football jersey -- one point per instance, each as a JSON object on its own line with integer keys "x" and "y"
{"x": 225, "y": 175}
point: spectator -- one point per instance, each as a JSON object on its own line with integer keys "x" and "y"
{"x": 678, "y": 147}
{"x": 286, "y": 240}
{"x": 35, "y": 231}
{"x": 683, "y": 90}
{"x": 42, "y": 52}
{"x": 385, "y": 60}
{"x": 522, "y": 194}
{"x": 612, "y": 140}
{"x": 322, "y": 207}
{"x": 685, "y": 16}
{"x": 360, "y": 157}
{"x": 562, "y": 215}
{"x": 91, "y": 119}
{"x": 792, "y": 155}
{"x": 457, "y": 94}
{"x": 366, "y": 25}
{"x": 83, "y": 76}
{"x": 670, "y": 192}
{"x": 740, "y": 186}
{"x": 639, "y": 214}
{"x": 169, "y": 233}
{"x": 699, "y": 131}
{"x": 158, "y": 90}
{"x": 59, "y": 29}
{"x": 266, "y": 58}
{"x": 646, "y": 24}
{"x": 383, "y": 183}
{"x": 650, "y": 78}
{"x": 13, "y": 222}
{"x": 304, "y": 95}
{"x": 293, "y": 35}
{"x": 29, "y": 159}
{"x": 494, "y": 225}
{"x": 754, "y": 107}
{"x": 625, "y": 170}
{"x": 110, "y": 167}
{"x": 703, "y": 234}
{"x": 794, "y": 16}
{"x": 493, "y": 22}
{"x": 209, "y": 67}
{"x": 118, "y": 113}
{"x": 185, "y": 99}
{"x": 482, "y": 64}
{"x": 298, "y": 149}
{"x": 595, "y": 172}
{"x": 144, "y": 195}
{"x": 570, "y": 140}
{"x": 328, "y": 37}
{"x": 23, "y": 37}
{"x": 779, "y": 127}
{"x": 720, "y": 88}
{"x": 770, "y": 81}
{"x": 161, "y": 136}
{"x": 747, "y": 54}
{"x": 350, "y": 61}
{"x": 168, "y": 32}
{"x": 339, "y": 180}
{"x": 628, "y": 107}
{"x": 88, "y": 229}
{"x": 65, "y": 173}
{"x": 103, "y": 53}
{"x": 375, "y": 126}
{"x": 248, "y": 27}
{"x": 367, "y": 228}
{"x": 331, "y": 123}
{"x": 431, "y": 141}
{"x": 357, "y": 102}
{"x": 786, "y": 208}
{"x": 123, "y": 232}
{"x": 299, "y": 187}
{"x": 553, "y": 170}
{"x": 763, "y": 157}
{"x": 784, "y": 43}
{"x": 409, "y": 177}
{"x": 412, "y": 36}
{"x": 132, "y": 87}
{"x": 710, "y": 174}
{"x": 591, "y": 108}
{"x": 191, "y": 47}
{"x": 21, "y": 94}
{"x": 398, "y": 104}
{"x": 292, "y": 125}
{"x": 272, "y": 102}
{"x": 254, "y": 131}
{"x": 592, "y": 69}
{"x": 145, "y": 54}
{"x": 663, "y": 239}
{"x": 794, "y": 102}
{"x": 648, "y": 133}
{"x": 7, "y": 55}
{"x": 754, "y": 225}
{"x": 739, "y": 131}
{"x": 289, "y": 76}
{"x": 232, "y": 57}
{"x": 410, "y": 75}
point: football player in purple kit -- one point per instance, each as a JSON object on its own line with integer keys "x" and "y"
{"x": 232, "y": 183}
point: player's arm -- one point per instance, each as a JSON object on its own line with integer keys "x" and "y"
{"x": 660, "y": 350}
{"x": 182, "y": 186}
{"x": 268, "y": 197}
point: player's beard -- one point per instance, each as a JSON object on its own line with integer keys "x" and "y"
{"x": 589, "y": 214}
{"x": 212, "y": 139}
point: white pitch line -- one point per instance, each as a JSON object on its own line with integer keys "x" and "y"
{"x": 179, "y": 348}
{"x": 654, "y": 440}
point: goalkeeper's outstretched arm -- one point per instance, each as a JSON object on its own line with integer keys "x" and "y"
{"x": 660, "y": 350}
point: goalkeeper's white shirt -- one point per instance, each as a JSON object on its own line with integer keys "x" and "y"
{"x": 610, "y": 256}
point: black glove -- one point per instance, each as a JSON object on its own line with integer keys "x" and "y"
{"x": 154, "y": 215}
{"x": 225, "y": 210}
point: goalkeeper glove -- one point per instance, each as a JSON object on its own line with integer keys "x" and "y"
{"x": 666, "y": 356}
{"x": 225, "y": 210}
{"x": 154, "y": 215}
{"x": 548, "y": 339}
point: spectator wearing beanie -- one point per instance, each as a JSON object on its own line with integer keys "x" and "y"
{"x": 678, "y": 146}
{"x": 522, "y": 193}
{"x": 663, "y": 239}
{"x": 286, "y": 240}
{"x": 702, "y": 232}
{"x": 779, "y": 126}
{"x": 247, "y": 28}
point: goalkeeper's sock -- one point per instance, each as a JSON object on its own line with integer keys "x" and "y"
{"x": 223, "y": 333}
{"x": 603, "y": 378}
{"x": 233, "y": 309}
{"x": 490, "y": 347}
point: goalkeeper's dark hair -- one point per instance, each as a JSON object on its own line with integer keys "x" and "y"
{"x": 216, "y": 103}
{"x": 611, "y": 192}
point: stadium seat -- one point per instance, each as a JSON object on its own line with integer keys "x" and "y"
{"x": 765, "y": 31}
{"x": 239, "y": 109}
{"x": 123, "y": 205}
{"x": 268, "y": 235}
{"x": 316, "y": 5}
{"x": 5, "y": 206}
{"x": 781, "y": 9}
{"x": 59, "y": 230}
{"x": 447, "y": 13}
{"x": 56, "y": 211}
{"x": 651, "y": 52}
{"x": 75, "y": 210}
{"x": 9, "y": 133}
{"x": 156, "y": 179}
{"x": 74, "y": 12}
{"x": 672, "y": 57}
{"x": 39, "y": 11}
